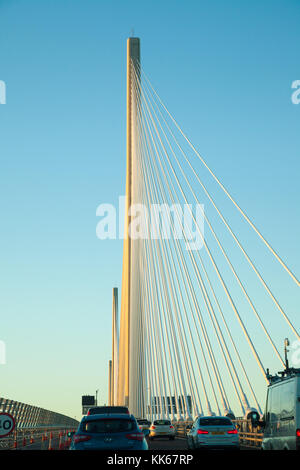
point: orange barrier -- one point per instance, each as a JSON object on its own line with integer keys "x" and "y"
{"x": 66, "y": 440}
{"x": 23, "y": 438}
{"x": 61, "y": 445}
{"x": 15, "y": 440}
{"x": 50, "y": 442}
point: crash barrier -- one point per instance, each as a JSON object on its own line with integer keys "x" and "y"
{"x": 250, "y": 437}
{"x": 49, "y": 438}
{"x": 29, "y": 416}
{"x": 35, "y": 427}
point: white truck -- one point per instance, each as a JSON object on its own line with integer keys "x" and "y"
{"x": 281, "y": 421}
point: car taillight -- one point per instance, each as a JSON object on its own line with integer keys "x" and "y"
{"x": 139, "y": 436}
{"x": 202, "y": 431}
{"x": 88, "y": 413}
{"x": 152, "y": 427}
{"x": 232, "y": 431}
{"x": 171, "y": 427}
{"x": 81, "y": 438}
{"x": 297, "y": 439}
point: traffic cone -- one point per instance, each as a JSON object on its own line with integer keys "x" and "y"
{"x": 50, "y": 442}
{"x": 61, "y": 444}
{"x": 66, "y": 440}
{"x": 15, "y": 440}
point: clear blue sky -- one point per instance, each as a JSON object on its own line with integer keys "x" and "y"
{"x": 225, "y": 70}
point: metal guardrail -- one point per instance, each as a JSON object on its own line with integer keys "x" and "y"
{"x": 28, "y": 416}
{"x": 251, "y": 439}
{"x": 249, "y": 436}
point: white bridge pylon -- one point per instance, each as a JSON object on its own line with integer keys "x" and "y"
{"x": 199, "y": 321}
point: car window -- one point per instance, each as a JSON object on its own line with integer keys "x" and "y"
{"x": 109, "y": 426}
{"x": 215, "y": 422}
{"x": 108, "y": 410}
{"x": 162, "y": 422}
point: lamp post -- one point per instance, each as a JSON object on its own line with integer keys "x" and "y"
{"x": 97, "y": 397}
{"x": 286, "y": 344}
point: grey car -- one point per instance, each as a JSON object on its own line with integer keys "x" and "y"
{"x": 213, "y": 432}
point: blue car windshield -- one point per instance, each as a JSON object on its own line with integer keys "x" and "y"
{"x": 109, "y": 426}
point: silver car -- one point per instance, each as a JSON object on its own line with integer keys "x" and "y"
{"x": 162, "y": 428}
{"x": 213, "y": 432}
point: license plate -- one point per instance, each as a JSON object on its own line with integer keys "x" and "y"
{"x": 217, "y": 433}
{"x": 162, "y": 433}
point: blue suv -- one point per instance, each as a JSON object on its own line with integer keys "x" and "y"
{"x": 109, "y": 432}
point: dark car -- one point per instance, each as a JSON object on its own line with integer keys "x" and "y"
{"x": 99, "y": 410}
{"x": 109, "y": 432}
{"x": 144, "y": 425}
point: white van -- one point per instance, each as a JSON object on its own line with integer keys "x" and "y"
{"x": 282, "y": 416}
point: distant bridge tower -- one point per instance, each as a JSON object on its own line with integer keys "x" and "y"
{"x": 115, "y": 348}
{"x": 127, "y": 363}
{"x": 110, "y": 383}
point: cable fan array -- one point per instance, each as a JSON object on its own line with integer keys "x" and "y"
{"x": 201, "y": 335}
